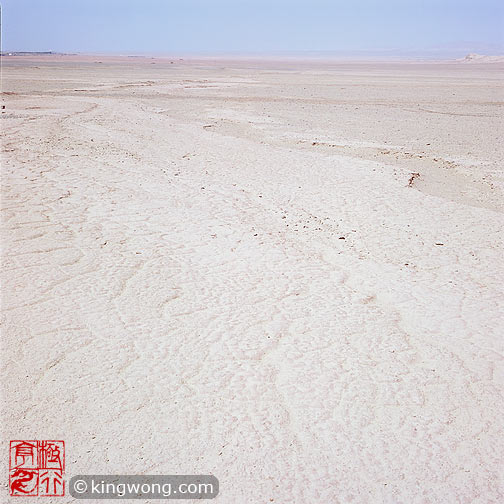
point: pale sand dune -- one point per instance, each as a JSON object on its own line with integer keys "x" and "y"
{"x": 220, "y": 268}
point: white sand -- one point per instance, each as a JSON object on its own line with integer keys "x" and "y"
{"x": 178, "y": 298}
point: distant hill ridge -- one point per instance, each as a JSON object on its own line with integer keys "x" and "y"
{"x": 481, "y": 58}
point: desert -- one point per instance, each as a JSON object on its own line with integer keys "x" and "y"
{"x": 286, "y": 273}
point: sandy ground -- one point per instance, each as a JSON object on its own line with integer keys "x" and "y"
{"x": 286, "y": 275}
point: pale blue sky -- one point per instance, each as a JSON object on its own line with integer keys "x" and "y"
{"x": 181, "y": 26}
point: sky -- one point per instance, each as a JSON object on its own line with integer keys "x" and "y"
{"x": 253, "y": 26}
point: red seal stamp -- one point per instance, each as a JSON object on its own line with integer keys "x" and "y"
{"x": 37, "y": 468}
